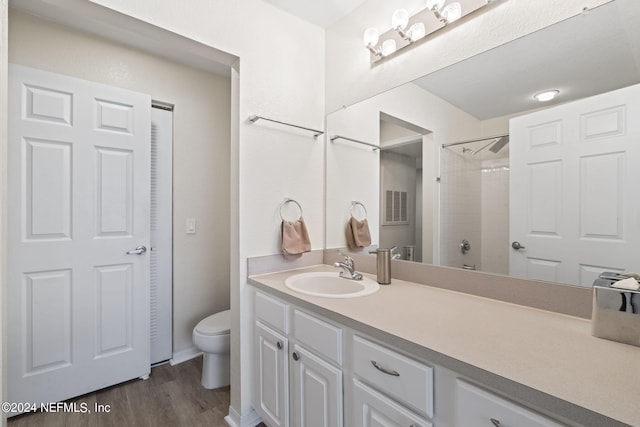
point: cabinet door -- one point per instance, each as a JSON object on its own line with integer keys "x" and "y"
{"x": 372, "y": 409}
{"x": 316, "y": 391}
{"x": 272, "y": 377}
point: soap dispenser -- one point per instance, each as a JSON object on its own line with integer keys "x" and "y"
{"x": 383, "y": 265}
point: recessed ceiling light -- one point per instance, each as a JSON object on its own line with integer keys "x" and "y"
{"x": 546, "y": 95}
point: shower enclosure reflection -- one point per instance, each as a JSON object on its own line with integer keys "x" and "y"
{"x": 474, "y": 197}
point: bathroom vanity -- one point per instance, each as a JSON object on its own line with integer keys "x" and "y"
{"x": 416, "y": 355}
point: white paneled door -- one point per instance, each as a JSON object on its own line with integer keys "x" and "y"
{"x": 574, "y": 180}
{"x": 78, "y": 303}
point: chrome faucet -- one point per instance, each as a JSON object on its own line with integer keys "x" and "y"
{"x": 348, "y": 268}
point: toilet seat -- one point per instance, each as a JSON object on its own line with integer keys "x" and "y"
{"x": 216, "y": 324}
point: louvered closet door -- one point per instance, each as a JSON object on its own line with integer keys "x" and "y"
{"x": 574, "y": 201}
{"x": 161, "y": 235}
{"x": 78, "y": 311}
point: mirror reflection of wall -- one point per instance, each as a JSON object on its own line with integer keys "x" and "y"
{"x": 401, "y": 187}
{"x": 353, "y": 172}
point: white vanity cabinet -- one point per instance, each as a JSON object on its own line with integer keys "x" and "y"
{"x": 299, "y": 381}
{"x": 310, "y": 371}
{"x": 389, "y": 389}
{"x": 478, "y": 407}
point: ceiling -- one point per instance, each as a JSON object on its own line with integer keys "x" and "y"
{"x": 320, "y": 12}
{"x": 589, "y": 54}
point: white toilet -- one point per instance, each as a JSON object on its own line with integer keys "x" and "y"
{"x": 212, "y": 336}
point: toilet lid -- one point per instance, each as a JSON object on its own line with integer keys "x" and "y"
{"x": 216, "y": 324}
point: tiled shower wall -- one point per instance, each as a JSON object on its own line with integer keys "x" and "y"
{"x": 495, "y": 217}
{"x": 460, "y": 213}
{"x": 474, "y": 206}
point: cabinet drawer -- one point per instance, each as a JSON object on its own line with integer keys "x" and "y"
{"x": 399, "y": 377}
{"x": 476, "y": 408}
{"x": 317, "y": 335}
{"x": 272, "y": 312}
{"x": 374, "y": 409}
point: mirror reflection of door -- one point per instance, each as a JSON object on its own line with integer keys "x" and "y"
{"x": 574, "y": 182}
{"x": 401, "y": 189}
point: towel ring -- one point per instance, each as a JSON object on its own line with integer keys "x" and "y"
{"x": 285, "y": 203}
{"x": 353, "y": 206}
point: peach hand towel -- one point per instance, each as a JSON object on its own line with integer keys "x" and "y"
{"x": 295, "y": 237}
{"x": 361, "y": 234}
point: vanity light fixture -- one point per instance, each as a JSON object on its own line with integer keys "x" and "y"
{"x": 547, "y": 95}
{"x": 407, "y": 29}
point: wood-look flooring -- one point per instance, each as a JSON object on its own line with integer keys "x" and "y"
{"x": 171, "y": 397}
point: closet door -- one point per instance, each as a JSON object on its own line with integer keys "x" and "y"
{"x": 161, "y": 273}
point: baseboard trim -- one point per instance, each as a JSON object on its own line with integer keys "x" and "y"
{"x": 250, "y": 419}
{"x": 184, "y": 355}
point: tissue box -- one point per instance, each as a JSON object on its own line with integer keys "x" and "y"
{"x": 616, "y": 315}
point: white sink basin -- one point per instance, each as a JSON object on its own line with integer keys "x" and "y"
{"x": 330, "y": 285}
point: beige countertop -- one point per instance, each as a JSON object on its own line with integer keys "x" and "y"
{"x": 548, "y": 352}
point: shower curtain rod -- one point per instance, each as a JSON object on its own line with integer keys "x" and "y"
{"x": 474, "y": 140}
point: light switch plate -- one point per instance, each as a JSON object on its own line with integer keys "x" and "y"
{"x": 190, "y": 227}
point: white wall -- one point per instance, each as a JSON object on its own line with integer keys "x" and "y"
{"x": 201, "y": 149}
{"x": 351, "y": 77}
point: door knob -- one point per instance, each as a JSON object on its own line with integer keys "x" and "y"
{"x": 137, "y": 251}
{"x": 516, "y": 245}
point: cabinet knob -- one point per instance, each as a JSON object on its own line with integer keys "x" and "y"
{"x": 295, "y": 355}
{"x": 279, "y": 345}
{"x": 495, "y": 422}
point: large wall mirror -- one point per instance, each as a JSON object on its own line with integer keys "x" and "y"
{"x": 464, "y": 168}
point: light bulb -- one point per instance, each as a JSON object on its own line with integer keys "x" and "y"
{"x": 416, "y": 31}
{"x": 435, "y": 4}
{"x": 399, "y": 19}
{"x": 370, "y": 37}
{"x": 388, "y": 47}
{"x": 452, "y": 12}
{"x": 546, "y": 96}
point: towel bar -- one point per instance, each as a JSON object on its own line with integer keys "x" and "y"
{"x": 374, "y": 147}
{"x": 254, "y": 118}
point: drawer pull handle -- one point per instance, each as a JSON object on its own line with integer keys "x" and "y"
{"x": 495, "y": 422}
{"x": 295, "y": 355}
{"x": 386, "y": 371}
{"x": 279, "y": 345}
